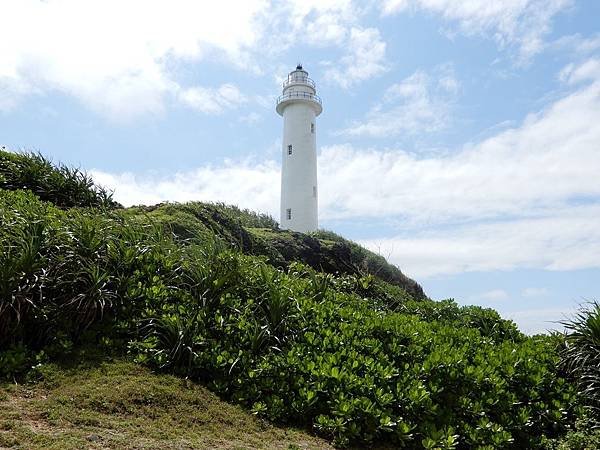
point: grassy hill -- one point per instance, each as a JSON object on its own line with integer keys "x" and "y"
{"x": 249, "y": 232}
{"x": 118, "y": 404}
{"x": 260, "y": 235}
{"x": 312, "y": 331}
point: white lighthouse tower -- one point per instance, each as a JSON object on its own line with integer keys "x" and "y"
{"x": 299, "y": 105}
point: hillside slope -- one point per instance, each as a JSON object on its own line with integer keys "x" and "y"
{"x": 309, "y": 331}
{"x": 116, "y": 404}
{"x": 252, "y": 233}
{"x": 260, "y": 235}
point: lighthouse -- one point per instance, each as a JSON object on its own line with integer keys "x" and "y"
{"x": 299, "y": 105}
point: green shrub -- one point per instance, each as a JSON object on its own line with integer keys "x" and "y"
{"x": 247, "y": 218}
{"x": 259, "y": 235}
{"x": 23, "y": 231}
{"x": 581, "y": 355}
{"x": 584, "y": 436}
{"x": 487, "y": 321}
{"x": 62, "y": 185}
{"x": 304, "y": 354}
{"x": 14, "y": 360}
{"x": 62, "y": 272}
{"x": 361, "y": 261}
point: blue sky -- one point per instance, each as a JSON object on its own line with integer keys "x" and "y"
{"x": 459, "y": 139}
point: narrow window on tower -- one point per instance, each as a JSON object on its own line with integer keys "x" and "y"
{"x": 314, "y": 191}
{"x": 312, "y": 127}
{"x": 288, "y": 214}
{"x": 290, "y": 149}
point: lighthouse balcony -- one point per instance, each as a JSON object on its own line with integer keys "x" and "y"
{"x": 298, "y": 79}
{"x": 295, "y": 96}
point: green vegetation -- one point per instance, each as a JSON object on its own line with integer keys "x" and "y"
{"x": 313, "y": 331}
{"x": 581, "y": 356}
{"x": 259, "y": 235}
{"x": 62, "y": 185}
{"x": 584, "y": 436}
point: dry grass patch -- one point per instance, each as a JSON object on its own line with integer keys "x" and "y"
{"x": 125, "y": 406}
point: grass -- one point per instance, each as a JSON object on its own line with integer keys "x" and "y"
{"x": 123, "y": 405}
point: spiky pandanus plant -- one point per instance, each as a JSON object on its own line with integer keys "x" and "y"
{"x": 581, "y": 354}
{"x": 21, "y": 278}
{"x": 60, "y": 184}
{"x": 22, "y": 265}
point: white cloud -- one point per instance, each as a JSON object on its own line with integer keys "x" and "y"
{"x": 540, "y": 320}
{"x": 419, "y": 103}
{"x": 565, "y": 240}
{"x": 526, "y": 197}
{"x": 586, "y": 71}
{"x": 12, "y": 89}
{"x": 116, "y": 57}
{"x": 213, "y": 101}
{"x": 319, "y": 22}
{"x": 578, "y": 43}
{"x": 251, "y": 118}
{"x": 121, "y": 59}
{"x": 549, "y": 160}
{"x": 519, "y": 23}
{"x": 534, "y": 292}
{"x": 493, "y": 295}
{"x": 365, "y": 58}
{"x": 243, "y": 183}
{"x": 588, "y": 45}
{"x": 327, "y": 23}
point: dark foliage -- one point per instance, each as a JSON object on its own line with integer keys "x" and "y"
{"x": 581, "y": 355}
{"x": 258, "y": 234}
{"x": 62, "y": 185}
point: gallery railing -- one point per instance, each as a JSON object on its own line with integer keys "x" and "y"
{"x": 298, "y": 79}
{"x": 303, "y": 95}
